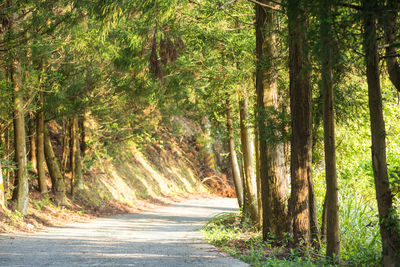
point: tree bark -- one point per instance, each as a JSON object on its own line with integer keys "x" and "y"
{"x": 301, "y": 112}
{"x": 237, "y": 179}
{"x": 2, "y": 191}
{"x": 272, "y": 157}
{"x": 258, "y": 179}
{"x": 22, "y": 189}
{"x": 331, "y": 201}
{"x": 390, "y": 236}
{"x": 54, "y": 170}
{"x": 32, "y": 142}
{"x": 76, "y": 156}
{"x": 248, "y": 160}
{"x": 40, "y": 148}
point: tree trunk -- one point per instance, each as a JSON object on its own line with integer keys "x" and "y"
{"x": 83, "y": 134}
{"x": 390, "y": 236}
{"x": 2, "y": 191}
{"x": 32, "y": 142}
{"x": 324, "y": 221}
{"x": 22, "y": 189}
{"x": 40, "y": 149}
{"x": 72, "y": 151}
{"x": 258, "y": 179}
{"x": 301, "y": 112}
{"x": 331, "y": 200}
{"x": 248, "y": 161}
{"x": 76, "y": 156}
{"x": 237, "y": 179}
{"x": 271, "y": 148}
{"x": 54, "y": 170}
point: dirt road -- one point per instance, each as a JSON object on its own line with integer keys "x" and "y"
{"x": 168, "y": 236}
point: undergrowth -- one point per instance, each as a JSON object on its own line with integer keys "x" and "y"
{"x": 360, "y": 241}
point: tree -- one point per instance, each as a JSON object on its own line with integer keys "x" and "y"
{"x": 301, "y": 124}
{"x": 54, "y": 170}
{"x": 387, "y": 215}
{"x": 40, "y": 147}
{"x": 272, "y": 157}
{"x": 331, "y": 200}
{"x": 15, "y": 75}
{"x": 237, "y": 178}
{"x": 250, "y": 186}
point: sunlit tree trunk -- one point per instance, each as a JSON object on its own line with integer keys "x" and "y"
{"x": 331, "y": 201}
{"x": 248, "y": 160}
{"x": 2, "y": 191}
{"x": 76, "y": 156}
{"x": 271, "y": 149}
{"x": 301, "y": 112}
{"x": 237, "y": 179}
{"x": 22, "y": 189}
{"x": 32, "y": 142}
{"x": 54, "y": 170}
{"x": 40, "y": 148}
{"x": 389, "y": 234}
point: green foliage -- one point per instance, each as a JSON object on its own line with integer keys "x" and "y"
{"x": 244, "y": 242}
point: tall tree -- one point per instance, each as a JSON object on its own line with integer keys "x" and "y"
{"x": 54, "y": 170}
{"x": 387, "y": 217}
{"x": 237, "y": 178}
{"x": 331, "y": 200}
{"x": 21, "y": 196}
{"x": 2, "y": 191}
{"x": 250, "y": 184}
{"x": 76, "y": 162}
{"x": 271, "y": 148}
{"x": 40, "y": 147}
{"x": 301, "y": 123}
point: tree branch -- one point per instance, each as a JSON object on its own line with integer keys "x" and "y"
{"x": 265, "y": 5}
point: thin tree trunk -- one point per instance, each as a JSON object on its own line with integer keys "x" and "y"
{"x": 40, "y": 149}
{"x": 22, "y": 190}
{"x": 390, "y": 236}
{"x": 314, "y": 229}
{"x": 83, "y": 134}
{"x": 54, "y": 170}
{"x": 2, "y": 191}
{"x": 65, "y": 145}
{"x": 272, "y": 157}
{"x": 331, "y": 200}
{"x": 237, "y": 179}
{"x": 32, "y": 142}
{"x": 77, "y": 162}
{"x": 324, "y": 221}
{"x": 248, "y": 159}
{"x": 258, "y": 179}
{"x": 301, "y": 111}
{"x": 72, "y": 150}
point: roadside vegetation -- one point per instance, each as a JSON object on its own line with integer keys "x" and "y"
{"x": 293, "y": 103}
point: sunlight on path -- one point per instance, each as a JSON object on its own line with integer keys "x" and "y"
{"x": 168, "y": 236}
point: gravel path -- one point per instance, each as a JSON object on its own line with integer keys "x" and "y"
{"x": 168, "y": 236}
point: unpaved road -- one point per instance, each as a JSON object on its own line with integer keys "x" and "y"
{"x": 168, "y": 236}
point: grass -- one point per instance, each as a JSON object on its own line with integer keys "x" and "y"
{"x": 235, "y": 236}
{"x": 360, "y": 240}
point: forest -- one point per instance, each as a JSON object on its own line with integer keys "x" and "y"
{"x": 298, "y": 103}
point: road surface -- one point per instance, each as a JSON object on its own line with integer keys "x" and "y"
{"x": 168, "y": 236}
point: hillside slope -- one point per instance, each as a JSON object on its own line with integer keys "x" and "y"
{"x": 131, "y": 179}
